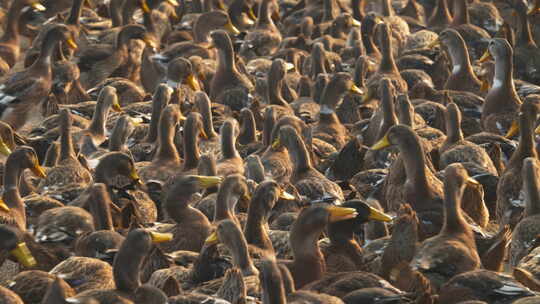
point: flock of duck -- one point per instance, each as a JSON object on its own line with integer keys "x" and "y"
{"x": 261, "y": 151}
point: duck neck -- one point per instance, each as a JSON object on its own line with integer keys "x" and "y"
{"x": 43, "y": 63}
{"x": 128, "y": 9}
{"x": 503, "y": 77}
{"x": 367, "y": 39}
{"x": 387, "y": 9}
{"x": 461, "y": 13}
{"x": 149, "y": 23}
{"x": 115, "y": 11}
{"x": 228, "y": 148}
{"x": 442, "y": 13}
{"x": 532, "y": 196}
{"x": 274, "y": 91}
{"x": 178, "y": 208}
{"x": 226, "y": 62}
{"x": 97, "y": 126}
{"x": 415, "y": 166}
{"x": 75, "y": 13}
{"x": 208, "y": 124}
{"x": 329, "y": 11}
{"x": 158, "y": 104}
{"x": 299, "y": 155}
{"x": 240, "y": 253}
{"x": 357, "y": 9}
{"x": 126, "y": 269}
{"x": 524, "y": 35}
{"x": 249, "y": 130}
{"x": 526, "y": 146}
{"x": 453, "y": 130}
{"x": 388, "y": 64}
{"x": 191, "y": 147}
{"x": 341, "y": 235}
{"x": 122, "y": 40}
{"x": 389, "y": 113}
{"x": 317, "y": 64}
{"x": 268, "y": 127}
{"x": 166, "y": 150}
{"x": 101, "y": 211}
{"x": 225, "y": 203}
{"x": 307, "y": 256}
{"x": 118, "y": 138}
{"x": 11, "y": 34}
{"x": 256, "y": 229}
{"x": 66, "y": 143}
{"x": 453, "y": 219}
{"x": 460, "y": 58}
{"x": 265, "y": 16}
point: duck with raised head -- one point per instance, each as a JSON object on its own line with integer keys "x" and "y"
{"x": 387, "y": 67}
{"x": 410, "y": 179}
{"x": 232, "y": 190}
{"x": 475, "y": 37}
{"x": 230, "y": 161}
{"x": 265, "y": 38}
{"x": 510, "y": 184}
{"x": 166, "y": 161}
{"x": 455, "y": 244}
{"x": 329, "y": 128}
{"x": 526, "y": 51}
{"x": 440, "y": 18}
{"x": 526, "y": 232}
{"x": 502, "y": 102}
{"x": 229, "y": 86}
{"x": 99, "y": 62}
{"x": 10, "y": 41}
{"x": 127, "y": 266}
{"x": 210, "y": 143}
{"x": 192, "y": 226}
{"x": 23, "y": 91}
{"x": 69, "y": 170}
{"x": 275, "y": 79}
{"x": 182, "y": 79}
{"x": 308, "y": 181}
{"x": 462, "y": 77}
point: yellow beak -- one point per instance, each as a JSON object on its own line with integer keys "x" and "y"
{"x": 212, "y": 239}
{"x": 286, "y": 196}
{"x": 341, "y": 214}
{"x": 161, "y": 237}
{"x": 356, "y": 90}
{"x": 231, "y": 28}
{"x": 134, "y": 175}
{"x": 251, "y": 14}
{"x": 38, "y": 170}
{"x": 150, "y": 42}
{"x": 193, "y": 83}
{"x": 71, "y": 44}
{"x": 173, "y": 2}
{"x": 381, "y": 144}
{"x": 116, "y": 107}
{"x": 23, "y": 255}
{"x": 144, "y": 6}
{"x": 3, "y": 205}
{"x": 514, "y": 128}
{"x": 38, "y": 6}
{"x": 4, "y": 149}
{"x": 208, "y": 181}
{"x": 485, "y": 86}
{"x": 537, "y": 130}
{"x": 276, "y": 144}
{"x": 485, "y": 57}
{"x": 377, "y": 215}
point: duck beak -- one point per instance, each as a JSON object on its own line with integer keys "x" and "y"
{"x": 537, "y": 130}
{"x": 289, "y": 66}
{"x": 368, "y": 96}
{"x": 356, "y": 23}
{"x": 341, "y": 214}
{"x": 71, "y": 44}
{"x": 251, "y": 14}
{"x": 514, "y": 128}
{"x": 173, "y": 2}
{"x": 208, "y": 181}
{"x": 377, "y": 215}
{"x": 134, "y": 175}
{"x": 193, "y": 83}
{"x": 286, "y": 196}
{"x": 3, "y": 205}
{"x": 276, "y": 144}
{"x": 38, "y": 6}
{"x": 535, "y": 10}
{"x": 472, "y": 182}
{"x": 356, "y": 90}
{"x": 212, "y": 239}
{"x": 4, "y": 149}
{"x": 203, "y": 134}
{"x": 38, "y": 170}
{"x": 434, "y": 43}
{"x": 23, "y": 255}
{"x": 161, "y": 237}
{"x": 231, "y": 28}
{"x": 150, "y": 42}
{"x": 381, "y": 144}
{"x": 378, "y": 20}
{"x": 116, "y": 107}
{"x": 144, "y": 6}
{"x": 485, "y": 57}
{"x": 246, "y": 197}
{"x": 485, "y": 86}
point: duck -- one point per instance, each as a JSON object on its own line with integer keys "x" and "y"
{"x": 462, "y": 77}
{"x": 14, "y": 247}
{"x": 232, "y": 190}
{"x": 10, "y": 41}
{"x": 211, "y": 142}
{"x": 308, "y": 181}
{"x": 166, "y": 160}
{"x": 264, "y": 39}
{"x": 13, "y": 208}
{"x": 99, "y": 62}
{"x": 329, "y": 128}
{"x": 229, "y": 86}
{"x": 187, "y": 218}
{"x": 455, "y": 242}
{"x": 24, "y": 90}
{"x": 510, "y": 182}
{"x": 126, "y": 271}
{"x": 230, "y": 161}
{"x": 277, "y": 72}
{"x": 501, "y": 103}
{"x": 475, "y": 37}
